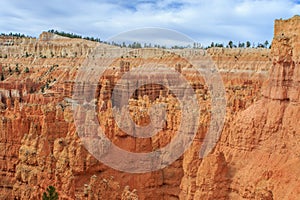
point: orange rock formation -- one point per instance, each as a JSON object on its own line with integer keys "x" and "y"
{"x": 256, "y": 158}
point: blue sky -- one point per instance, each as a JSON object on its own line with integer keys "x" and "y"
{"x": 202, "y": 20}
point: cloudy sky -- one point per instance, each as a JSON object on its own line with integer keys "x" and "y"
{"x": 202, "y": 20}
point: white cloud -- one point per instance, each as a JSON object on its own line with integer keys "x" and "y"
{"x": 204, "y": 21}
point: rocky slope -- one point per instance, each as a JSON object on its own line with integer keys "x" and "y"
{"x": 258, "y": 154}
{"x": 256, "y": 157}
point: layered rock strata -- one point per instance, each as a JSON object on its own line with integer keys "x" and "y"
{"x": 40, "y": 145}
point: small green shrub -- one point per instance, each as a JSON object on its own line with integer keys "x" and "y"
{"x": 26, "y": 70}
{"x": 51, "y": 194}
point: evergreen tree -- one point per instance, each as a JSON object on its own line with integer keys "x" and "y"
{"x": 51, "y": 194}
{"x": 241, "y": 45}
{"x": 26, "y": 70}
{"x": 266, "y": 43}
{"x": 230, "y": 44}
{"x": 17, "y": 69}
{"x": 248, "y": 44}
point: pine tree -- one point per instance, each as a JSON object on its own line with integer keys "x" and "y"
{"x": 26, "y": 70}
{"x": 51, "y": 194}
{"x": 230, "y": 44}
{"x": 248, "y": 44}
{"x": 266, "y": 43}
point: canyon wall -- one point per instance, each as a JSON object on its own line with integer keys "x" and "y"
{"x": 256, "y": 157}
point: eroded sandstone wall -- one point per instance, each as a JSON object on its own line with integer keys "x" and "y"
{"x": 258, "y": 153}
{"x": 40, "y": 146}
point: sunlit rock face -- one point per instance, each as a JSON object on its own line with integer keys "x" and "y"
{"x": 258, "y": 153}
{"x": 257, "y": 156}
